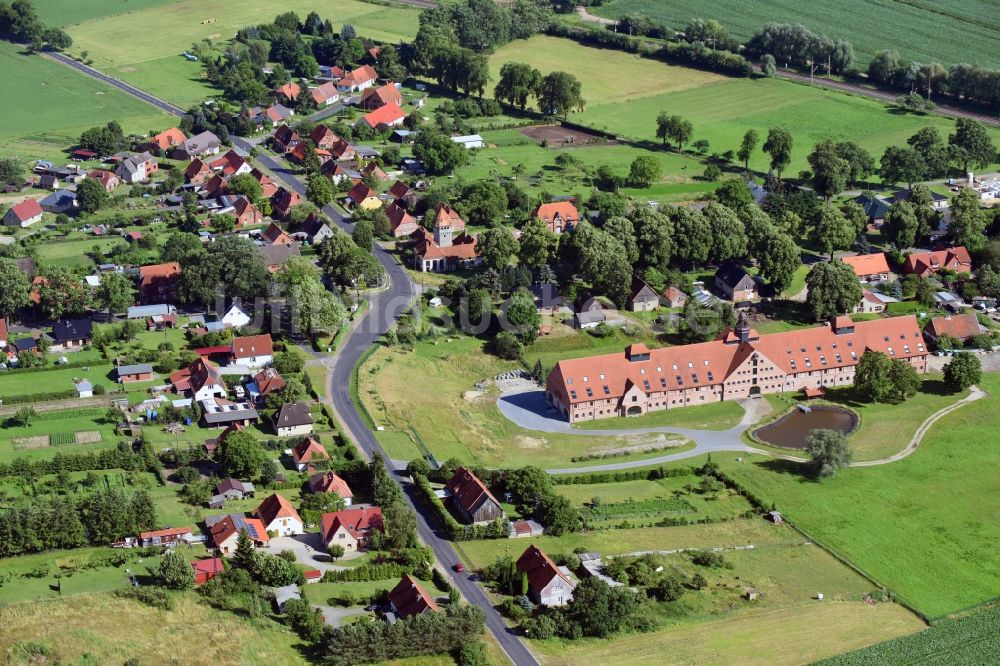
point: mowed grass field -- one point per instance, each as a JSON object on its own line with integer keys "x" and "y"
{"x": 945, "y": 31}
{"x": 61, "y": 13}
{"x": 94, "y": 629}
{"x": 722, "y": 109}
{"x": 453, "y": 420}
{"x": 924, "y": 526}
{"x": 143, "y": 47}
{"x": 54, "y": 104}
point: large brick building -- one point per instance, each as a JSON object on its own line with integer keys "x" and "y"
{"x": 740, "y": 364}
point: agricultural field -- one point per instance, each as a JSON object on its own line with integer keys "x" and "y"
{"x": 721, "y": 108}
{"x": 948, "y": 31}
{"x": 61, "y": 13}
{"x": 64, "y": 431}
{"x": 151, "y": 60}
{"x": 449, "y": 417}
{"x": 965, "y": 641}
{"x": 89, "y": 629}
{"x": 37, "y": 125}
{"x": 923, "y": 526}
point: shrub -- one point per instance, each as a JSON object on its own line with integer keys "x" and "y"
{"x": 708, "y": 558}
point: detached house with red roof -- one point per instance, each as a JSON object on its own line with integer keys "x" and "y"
{"x": 390, "y": 115}
{"x": 23, "y": 214}
{"x": 288, "y": 92}
{"x": 351, "y": 528}
{"x": 954, "y": 259}
{"x": 559, "y": 216}
{"x": 325, "y": 94}
{"x": 283, "y": 202}
{"x": 548, "y": 584}
{"x": 254, "y": 351}
{"x": 198, "y": 172}
{"x": 376, "y": 98}
{"x": 231, "y": 164}
{"x": 740, "y": 363}
{"x": 169, "y": 536}
{"x": 323, "y": 137}
{"x": 285, "y": 138}
{"x": 401, "y": 223}
{"x": 275, "y": 235}
{"x": 157, "y": 282}
{"x": 471, "y": 499}
{"x": 246, "y": 213}
{"x": 408, "y": 599}
{"x": 108, "y": 180}
{"x": 329, "y": 482}
{"x": 959, "y": 327}
{"x": 166, "y": 140}
{"x": 358, "y": 79}
{"x": 206, "y": 569}
{"x": 199, "y": 381}
{"x": 225, "y": 533}
{"x": 137, "y": 168}
{"x": 279, "y": 516}
{"x": 363, "y": 197}
{"x": 869, "y": 267}
{"x": 308, "y": 452}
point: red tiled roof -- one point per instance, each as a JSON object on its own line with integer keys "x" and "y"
{"x": 399, "y": 189}
{"x": 209, "y": 566}
{"x": 547, "y": 212}
{"x": 400, "y": 221}
{"x": 275, "y": 235}
{"x": 168, "y": 532}
{"x": 329, "y": 482}
{"x": 960, "y": 327}
{"x": 445, "y": 216}
{"x": 289, "y": 91}
{"x": 674, "y": 368}
{"x": 3, "y": 330}
{"x": 358, "y": 522}
{"x": 409, "y": 599}
{"x": 158, "y": 272}
{"x": 226, "y": 528}
{"x": 26, "y": 210}
{"x": 469, "y": 491}
{"x": 276, "y": 506}
{"x": 362, "y": 74}
{"x": 268, "y": 381}
{"x": 229, "y": 163}
{"x": 380, "y": 96}
{"x": 169, "y": 138}
{"x": 309, "y": 450}
{"x": 867, "y": 264}
{"x": 955, "y": 258}
{"x": 323, "y": 135}
{"x": 252, "y": 345}
{"x": 360, "y": 193}
{"x": 324, "y": 92}
{"x": 539, "y": 567}
{"x": 384, "y": 115}
{"x": 105, "y": 178}
{"x": 196, "y": 168}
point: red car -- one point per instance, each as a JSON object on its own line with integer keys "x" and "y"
{"x": 458, "y": 567}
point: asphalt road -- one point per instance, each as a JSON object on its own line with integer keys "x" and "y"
{"x": 385, "y": 307}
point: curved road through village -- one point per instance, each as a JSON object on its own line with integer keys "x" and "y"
{"x": 385, "y": 307}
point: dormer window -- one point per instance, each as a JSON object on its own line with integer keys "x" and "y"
{"x": 585, "y": 379}
{"x": 590, "y": 392}
{"x": 642, "y": 371}
{"x": 572, "y": 394}
{"x": 569, "y": 380}
{"x": 602, "y": 376}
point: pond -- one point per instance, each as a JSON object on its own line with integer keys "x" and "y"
{"x": 791, "y": 430}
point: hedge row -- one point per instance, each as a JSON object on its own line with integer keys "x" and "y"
{"x": 617, "y": 477}
{"x": 38, "y": 397}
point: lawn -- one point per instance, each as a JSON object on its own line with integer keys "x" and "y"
{"x": 947, "y": 31}
{"x": 567, "y": 342}
{"x": 885, "y": 428}
{"x": 452, "y": 419}
{"x": 61, "y": 13}
{"x": 541, "y": 173}
{"x": 717, "y": 416}
{"x": 54, "y": 379}
{"x": 788, "y": 636}
{"x": 721, "y": 108}
{"x": 924, "y": 526}
{"x": 151, "y": 59}
{"x": 103, "y": 629}
{"x": 54, "y": 105}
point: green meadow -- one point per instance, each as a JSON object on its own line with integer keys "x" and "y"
{"x": 54, "y": 104}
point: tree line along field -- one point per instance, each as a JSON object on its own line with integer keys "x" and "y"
{"x": 54, "y": 104}
{"x": 151, "y": 60}
{"x": 945, "y": 31}
{"x": 923, "y": 526}
{"x": 722, "y": 109}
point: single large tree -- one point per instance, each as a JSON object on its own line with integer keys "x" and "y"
{"x": 559, "y": 93}
{"x": 116, "y": 293}
{"x": 521, "y": 313}
{"x": 62, "y": 295}
{"x": 603, "y": 262}
{"x": 830, "y": 171}
{"x": 484, "y": 203}
{"x": 15, "y": 288}
{"x": 901, "y": 226}
{"x": 241, "y": 456}
{"x": 675, "y": 128}
{"x": 971, "y": 144}
{"x": 497, "y": 246}
{"x": 91, "y": 195}
{"x": 860, "y": 162}
{"x": 729, "y": 238}
{"x": 831, "y": 230}
{"x": 902, "y": 164}
{"x": 962, "y": 371}
{"x": 538, "y": 244}
{"x": 968, "y": 222}
{"x": 779, "y": 146}
{"x": 175, "y": 571}
{"x": 778, "y": 258}
{"x": 828, "y": 452}
{"x": 833, "y": 289}
{"x": 518, "y": 82}
{"x": 747, "y": 145}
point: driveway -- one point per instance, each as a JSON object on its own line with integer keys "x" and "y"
{"x": 309, "y": 551}
{"x": 530, "y": 410}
